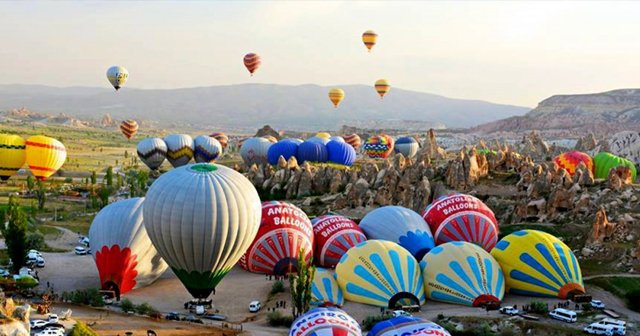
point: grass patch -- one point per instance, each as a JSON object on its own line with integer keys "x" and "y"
{"x": 49, "y": 232}
{"x": 618, "y": 286}
{"x": 77, "y": 225}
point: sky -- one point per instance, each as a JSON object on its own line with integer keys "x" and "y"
{"x": 505, "y": 52}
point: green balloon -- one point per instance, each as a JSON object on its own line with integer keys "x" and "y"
{"x": 604, "y": 162}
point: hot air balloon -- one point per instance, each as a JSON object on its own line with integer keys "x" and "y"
{"x": 296, "y": 140}
{"x": 117, "y": 76}
{"x": 322, "y": 321}
{"x": 626, "y": 145}
{"x": 222, "y": 139}
{"x": 461, "y": 217}
{"x": 382, "y": 87}
{"x": 129, "y": 128}
{"x": 334, "y": 235}
{"x": 285, "y": 148}
{"x": 12, "y": 155}
{"x": 252, "y": 62}
{"x": 369, "y": 39}
{"x": 336, "y": 96}
{"x": 318, "y": 140}
{"x": 407, "y": 146}
{"x": 399, "y": 225}
{"x": 570, "y": 160}
{"x": 284, "y": 231}
{"x": 462, "y": 273}
{"x": 324, "y": 289}
{"x": 536, "y": 263}
{"x": 407, "y": 326}
{"x": 124, "y": 255}
{"x": 604, "y": 162}
{"x": 340, "y": 153}
{"x": 323, "y": 135}
{"x": 354, "y": 140}
{"x": 44, "y": 156}
{"x": 378, "y": 146}
{"x": 217, "y": 211}
{"x": 152, "y": 151}
{"x": 336, "y": 138}
{"x": 207, "y": 149}
{"x": 271, "y": 138}
{"x": 380, "y": 273}
{"x": 312, "y": 152}
{"x": 179, "y": 149}
{"x": 255, "y": 150}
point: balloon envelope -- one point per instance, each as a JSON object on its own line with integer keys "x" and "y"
{"x": 324, "y": 289}
{"x": 117, "y": 76}
{"x": 13, "y": 154}
{"x": 44, "y": 156}
{"x": 380, "y": 273}
{"x": 378, "y": 146}
{"x": 285, "y": 148}
{"x": 252, "y": 62}
{"x": 340, "y": 153}
{"x": 329, "y": 321}
{"x": 399, "y": 225}
{"x": 222, "y": 138}
{"x": 124, "y": 254}
{"x": 461, "y": 217}
{"x": 369, "y": 39}
{"x": 407, "y": 326}
{"x": 354, "y": 140}
{"x": 334, "y": 235}
{"x": 255, "y": 151}
{"x": 179, "y": 149}
{"x": 570, "y": 160}
{"x": 336, "y": 96}
{"x": 336, "y": 138}
{"x": 382, "y": 87}
{"x": 536, "y": 263}
{"x": 129, "y": 128}
{"x": 207, "y": 149}
{"x": 201, "y": 218}
{"x": 407, "y": 146}
{"x": 604, "y": 162}
{"x": 152, "y": 151}
{"x": 312, "y": 152}
{"x": 462, "y": 273}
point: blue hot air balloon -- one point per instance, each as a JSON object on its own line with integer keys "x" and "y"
{"x": 285, "y": 148}
{"x": 336, "y": 138}
{"x": 341, "y": 153}
{"x": 407, "y": 325}
{"x": 312, "y": 152}
{"x": 407, "y": 146}
{"x": 399, "y": 225}
{"x": 325, "y": 290}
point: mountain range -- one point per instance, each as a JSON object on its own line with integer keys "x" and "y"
{"x": 304, "y": 107}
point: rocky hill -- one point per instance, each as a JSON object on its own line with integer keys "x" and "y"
{"x": 600, "y": 113}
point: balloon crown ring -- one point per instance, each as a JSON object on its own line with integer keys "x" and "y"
{"x": 203, "y": 168}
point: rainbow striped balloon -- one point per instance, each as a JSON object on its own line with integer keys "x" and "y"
{"x": 324, "y": 289}
{"x": 378, "y": 146}
{"x": 252, "y": 62}
{"x": 536, "y": 263}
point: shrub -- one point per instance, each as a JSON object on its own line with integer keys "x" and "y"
{"x": 278, "y": 287}
{"x": 276, "y": 319}
{"x": 35, "y": 241}
{"x": 81, "y": 329}
{"x": 539, "y": 307}
{"x": 127, "y": 305}
{"x": 145, "y": 309}
{"x": 371, "y": 321}
{"x": 87, "y": 297}
{"x": 440, "y": 317}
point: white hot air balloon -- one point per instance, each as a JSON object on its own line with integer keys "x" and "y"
{"x": 152, "y": 151}
{"x": 206, "y": 149}
{"x": 124, "y": 254}
{"x": 255, "y": 150}
{"x": 179, "y": 149}
{"x": 407, "y": 146}
{"x": 201, "y": 218}
{"x": 117, "y": 76}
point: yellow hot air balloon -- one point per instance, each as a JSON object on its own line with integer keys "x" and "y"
{"x": 12, "y": 155}
{"x": 336, "y": 95}
{"x": 382, "y": 87}
{"x": 369, "y": 39}
{"x": 323, "y": 135}
{"x": 45, "y": 156}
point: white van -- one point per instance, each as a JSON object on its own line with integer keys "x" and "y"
{"x": 254, "y": 306}
{"x": 564, "y": 315}
{"x": 599, "y": 329}
{"x": 619, "y": 327}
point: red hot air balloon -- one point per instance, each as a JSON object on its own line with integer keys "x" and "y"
{"x": 252, "y": 62}
{"x": 460, "y": 217}
{"x": 354, "y": 140}
{"x": 284, "y": 230}
{"x": 129, "y": 128}
{"x": 333, "y": 236}
{"x": 570, "y": 160}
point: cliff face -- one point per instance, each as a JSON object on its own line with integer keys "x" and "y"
{"x": 601, "y": 113}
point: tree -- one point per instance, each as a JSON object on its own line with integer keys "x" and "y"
{"x": 104, "y": 194}
{"x": 109, "y": 176}
{"x": 300, "y": 284}
{"x": 31, "y": 182}
{"x": 41, "y": 195}
{"x": 118, "y": 181}
{"x": 14, "y": 232}
{"x": 94, "y": 178}
{"x": 126, "y": 154}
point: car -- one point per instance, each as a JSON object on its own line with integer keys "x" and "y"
{"x": 215, "y": 317}
{"x": 53, "y": 318}
{"x": 25, "y": 271}
{"x": 54, "y": 326}
{"x": 40, "y": 262}
{"x": 38, "y": 324}
{"x": 172, "y": 316}
{"x": 193, "y": 319}
{"x": 599, "y": 329}
{"x": 508, "y": 310}
{"x": 597, "y": 304}
{"x": 50, "y": 332}
{"x": 619, "y": 327}
{"x": 254, "y": 306}
{"x": 83, "y": 240}
{"x": 564, "y": 315}
{"x": 4, "y": 273}
{"x": 398, "y": 313}
{"x": 80, "y": 250}
{"x": 199, "y": 309}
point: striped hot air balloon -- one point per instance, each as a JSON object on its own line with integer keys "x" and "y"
{"x": 322, "y": 321}
{"x": 129, "y": 128}
{"x": 380, "y": 273}
{"x": 378, "y": 146}
{"x": 336, "y": 96}
{"x": 324, "y": 289}
{"x": 284, "y": 231}
{"x": 354, "y": 140}
{"x": 152, "y": 151}
{"x": 207, "y": 149}
{"x": 334, "y": 235}
{"x": 179, "y": 149}
{"x": 252, "y": 62}
{"x": 570, "y": 160}
{"x": 222, "y": 138}
{"x": 536, "y": 263}
{"x": 382, "y": 87}
{"x": 407, "y": 326}
{"x": 407, "y": 146}
{"x": 45, "y": 156}
{"x": 461, "y": 217}
{"x": 462, "y": 273}
{"x": 12, "y": 155}
{"x": 369, "y": 39}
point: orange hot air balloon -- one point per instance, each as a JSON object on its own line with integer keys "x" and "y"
{"x": 336, "y": 95}
{"x": 222, "y": 138}
{"x": 129, "y": 128}
{"x": 570, "y": 160}
{"x": 382, "y": 87}
{"x": 369, "y": 39}
{"x": 45, "y": 156}
{"x": 353, "y": 139}
{"x": 252, "y": 62}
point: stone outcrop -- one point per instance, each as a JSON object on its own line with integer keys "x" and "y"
{"x": 602, "y": 228}
{"x": 266, "y": 130}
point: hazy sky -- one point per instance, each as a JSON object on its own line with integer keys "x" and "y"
{"x": 505, "y": 52}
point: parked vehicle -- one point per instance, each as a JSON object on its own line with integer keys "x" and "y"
{"x": 40, "y": 262}
{"x": 598, "y": 329}
{"x": 173, "y": 316}
{"x": 564, "y": 315}
{"x": 80, "y": 250}
{"x": 398, "y": 313}
{"x": 53, "y": 318}
{"x": 4, "y": 273}
{"x": 254, "y": 306}
{"x": 619, "y": 327}
{"x": 597, "y": 304}
{"x": 50, "y": 332}
{"x": 38, "y": 324}
{"x": 193, "y": 319}
{"x": 215, "y": 317}
{"x": 200, "y": 310}
{"x": 508, "y": 310}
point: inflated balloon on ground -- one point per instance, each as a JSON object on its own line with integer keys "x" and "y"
{"x": 604, "y": 162}
{"x": 407, "y": 146}
{"x": 222, "y": 138}
{"x": 312, "y": 152}
{"x": 285, "y": 148}
{"x": 570, "y": 160}
{"x": 378, "y": 146}
{"x": 324, "y": 289}
{"x": 354, "y": 140}
{"x": 407, "y": 326}
{"x": 321, "y": 321}
{"x": 255, "y": 151}
{"x": 340, "y": 153}
{"x": 334, "y": 235}
{"x": 13, "y": 154}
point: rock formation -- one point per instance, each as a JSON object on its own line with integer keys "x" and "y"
{"x": 267, "y": 130}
